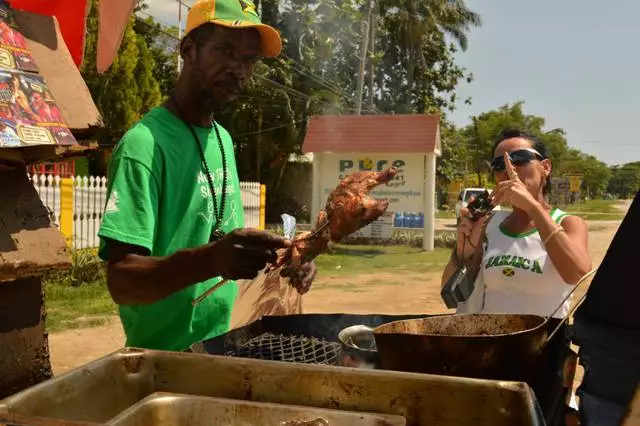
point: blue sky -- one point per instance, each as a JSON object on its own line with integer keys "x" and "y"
{"x": 575, "y": 62}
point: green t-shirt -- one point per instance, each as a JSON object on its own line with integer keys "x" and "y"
{"x": 158, "y": 198}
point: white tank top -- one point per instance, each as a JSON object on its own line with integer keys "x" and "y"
{"x": 517, "y": 274}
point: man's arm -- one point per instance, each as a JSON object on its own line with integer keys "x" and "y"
{"x": 134, "y": 277}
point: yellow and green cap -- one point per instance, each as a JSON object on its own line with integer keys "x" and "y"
{"x": 235, "y": 14}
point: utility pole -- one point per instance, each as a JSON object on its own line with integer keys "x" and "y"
{"x": 477, "y": 143}
{"x": 179, "y": 34}
{"x": 372, "y": 35}
{"x": 364, "y": 48}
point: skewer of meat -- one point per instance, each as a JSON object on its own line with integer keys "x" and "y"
{"x": 349, "y": 208}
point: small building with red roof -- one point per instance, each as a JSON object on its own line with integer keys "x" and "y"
{"x": 345, "y": 144}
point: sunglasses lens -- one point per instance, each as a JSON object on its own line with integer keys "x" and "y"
{"x": 522, "y": 157}
{"x": 518, "y": 158}
{"x": 498, "y": 164}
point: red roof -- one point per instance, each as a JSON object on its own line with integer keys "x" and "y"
{"x": 373, "y": 133}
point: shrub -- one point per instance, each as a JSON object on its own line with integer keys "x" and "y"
{"x": 86, "y": 267}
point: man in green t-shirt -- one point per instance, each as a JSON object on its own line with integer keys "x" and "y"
{"x": 173, "y": 224}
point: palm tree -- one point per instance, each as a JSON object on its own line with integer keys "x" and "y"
{"x": 418, "y": 20}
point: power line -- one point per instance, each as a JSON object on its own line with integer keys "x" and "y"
{"x": 165, "y": 23}
{"x": 334, "y": 89}
{"x": 156, "y": 27}
{"x": 257, "y": 132}
{"x": 301, "y": 69}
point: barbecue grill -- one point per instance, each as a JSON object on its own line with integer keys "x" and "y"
{"x": 304, "y": 350}
{"x": 305, "y": 338}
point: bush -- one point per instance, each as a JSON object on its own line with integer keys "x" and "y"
{"x": 407, "y": 237}
{"x": 86, "y": 267}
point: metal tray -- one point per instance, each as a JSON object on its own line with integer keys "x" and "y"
{"x": 102, "y": 389}
{"x": 160, "y": 409}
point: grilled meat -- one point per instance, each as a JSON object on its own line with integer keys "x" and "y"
{"x": 349, "y": 207}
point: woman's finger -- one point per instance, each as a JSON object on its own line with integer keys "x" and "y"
{"x": 500, "y": 190}
{"x": 511, "y": 170}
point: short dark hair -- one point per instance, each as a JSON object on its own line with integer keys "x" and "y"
{"x": 535, "y": 142}
{"x": 200, "y": 34}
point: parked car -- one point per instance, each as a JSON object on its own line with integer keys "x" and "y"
{"x": 466, "y": 195}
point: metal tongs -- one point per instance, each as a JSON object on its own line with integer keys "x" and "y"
{"x": 313, "y": 235}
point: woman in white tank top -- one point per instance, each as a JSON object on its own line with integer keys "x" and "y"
{"x": 527, "y": 260}
{"x": 523, "y": 261}
{"x": 517, "y": 274}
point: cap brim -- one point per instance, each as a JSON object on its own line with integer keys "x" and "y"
{"x": 270, "y": 40}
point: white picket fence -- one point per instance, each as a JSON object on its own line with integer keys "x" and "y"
{"x": 89, "y": 198}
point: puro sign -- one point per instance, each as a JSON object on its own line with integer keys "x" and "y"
{"x": 347, "y": 167}
{"x": 405, "y": 192}
{"x": 367, "y": 164}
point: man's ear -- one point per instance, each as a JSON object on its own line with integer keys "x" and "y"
{"x": 187, "y": 49}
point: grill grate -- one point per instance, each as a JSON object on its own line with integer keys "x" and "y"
{"x": 306, "y": 350}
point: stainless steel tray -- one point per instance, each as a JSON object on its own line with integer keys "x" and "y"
{"x": 160, "y": 409}
{"x": 102, "y": 389}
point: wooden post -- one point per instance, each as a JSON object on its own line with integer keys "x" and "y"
{"x": 66, "y": 209}
{"x": 30, "y": 245}
{"x": 263, "y": 207}
{"x": 316, "y": 191}
{"x": 24, "y": 345}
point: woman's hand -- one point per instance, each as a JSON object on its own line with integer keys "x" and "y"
{"x": 469, "y": 234}
{"x": 513, "y": 191}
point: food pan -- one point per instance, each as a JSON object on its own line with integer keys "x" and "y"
{"x": 102, "y": 389}
{"x": 160, "y": 409}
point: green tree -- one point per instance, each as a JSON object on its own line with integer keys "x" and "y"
{"x": 452, "y": 164}
{"x": 625, "y": 180}
{"x": 486, "y": 128}
{"x": 417, "y": 32}
{"x": 163, "y": 44}
{"x": 595, "y": 173}
{"x": 126, "y": 91}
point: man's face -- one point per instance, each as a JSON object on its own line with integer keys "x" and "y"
{"x": 222, "y": 64}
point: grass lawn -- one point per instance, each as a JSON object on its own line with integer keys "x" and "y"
{"x": 86, "y": 305}
{"x": 444, "y": 214}
{"x": 355, "y": 260}
{"x": 596, "y": 210}
{"x": 89, "y": 303}
{"x": 590, "y": 210}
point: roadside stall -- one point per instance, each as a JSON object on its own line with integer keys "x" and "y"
{"x": 272, "y": 369}
{"x": 46, "y": 112}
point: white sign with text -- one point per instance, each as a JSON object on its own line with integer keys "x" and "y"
{"x": 405, "y": 193}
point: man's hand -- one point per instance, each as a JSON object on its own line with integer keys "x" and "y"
{"x": 243, "y": 253}
{"x": 302, "y": 277}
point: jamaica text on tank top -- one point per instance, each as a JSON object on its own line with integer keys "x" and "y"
{"x": 518, "y": 274}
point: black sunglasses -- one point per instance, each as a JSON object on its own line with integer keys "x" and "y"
{"x": 518, "y": 158}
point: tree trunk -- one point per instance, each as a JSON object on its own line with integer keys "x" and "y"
{"x": 411, "y": 68}
{"x": 372, "y": 37}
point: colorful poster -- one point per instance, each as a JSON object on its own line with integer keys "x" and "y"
{"x": 28, "y": 113}
{"x": 14, "y": 53}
